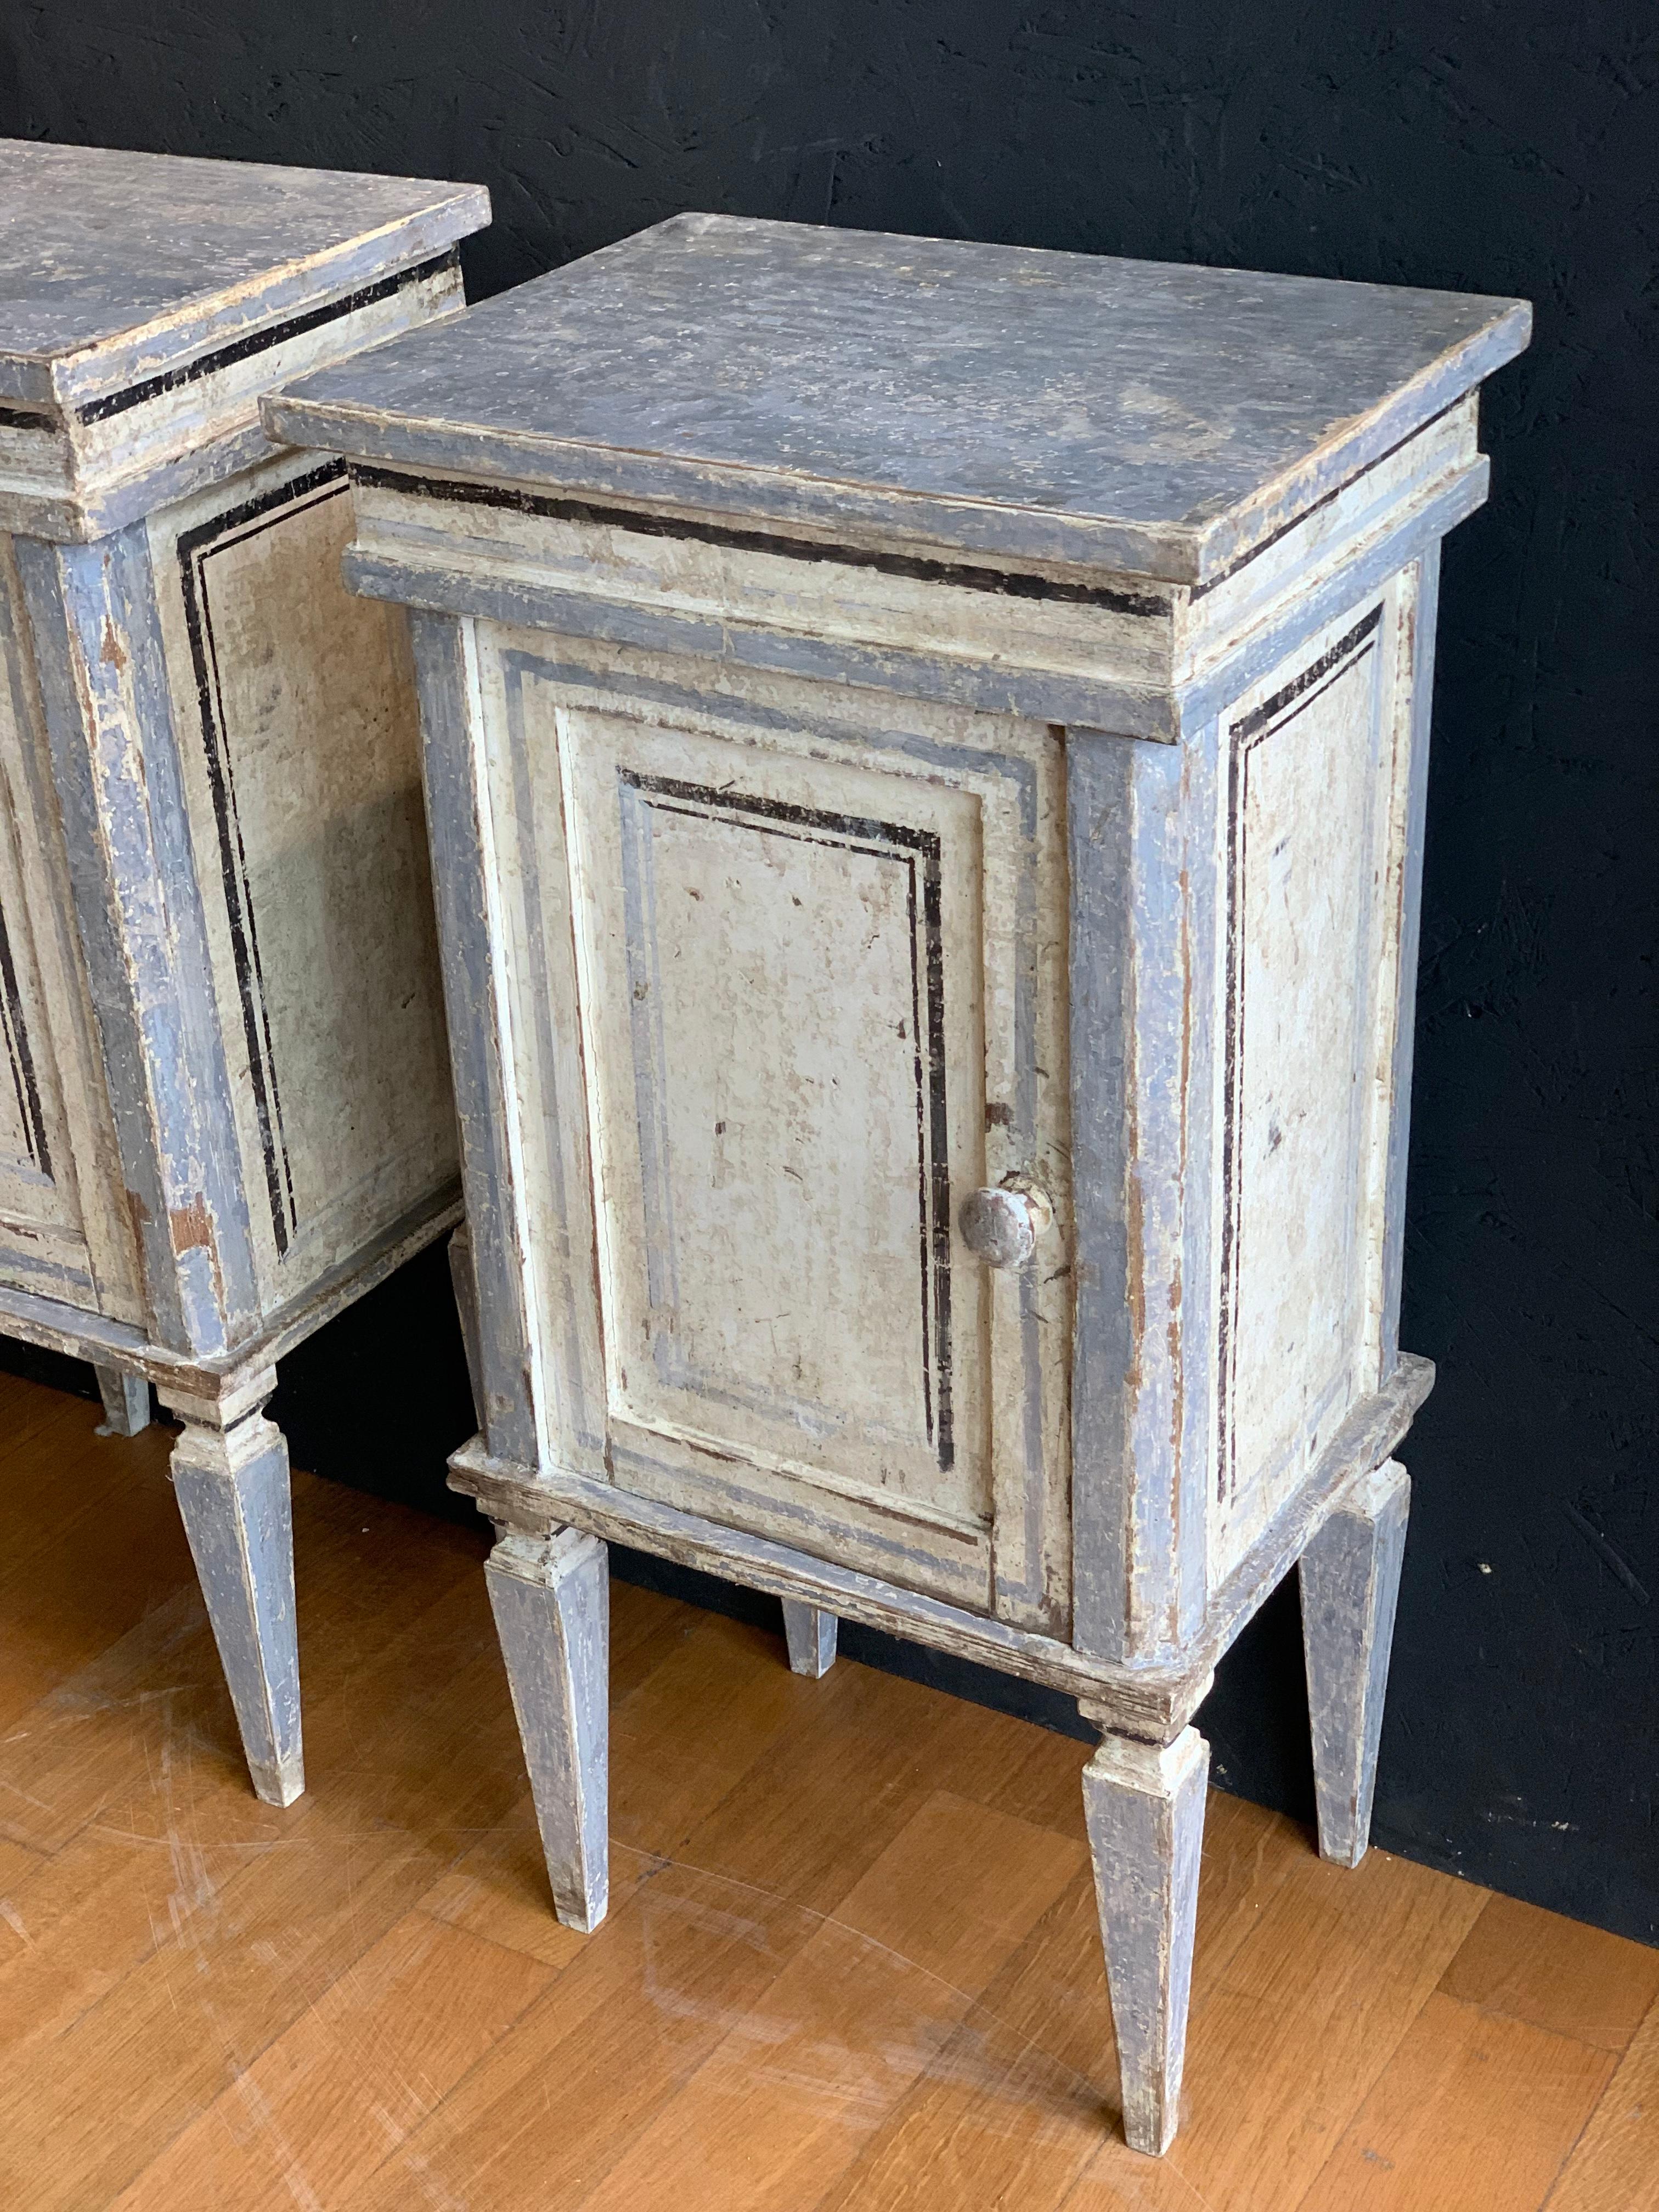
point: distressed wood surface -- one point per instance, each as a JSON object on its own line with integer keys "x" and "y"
{"x": 299, "y": 754}
{"x": 59, "y": 1230}
{"x": 147, "y": 301}
{"x": 1310, "y": 777}
{"x": 1153, "y": 418}
{"x": 551, "y": 1600}
{"x": 230, "y": 1474}
{"x": 836, "y": 819}
{"x": 1350, "y": 1576}
{"x": 116, "y": 265}
{"x": 115, "y": 754}
{"x": 463, "y": 848}
{"x": 809, "y": 1633}
{"x": 102, "y": 1341}
{"x": 1145, "y": 1808}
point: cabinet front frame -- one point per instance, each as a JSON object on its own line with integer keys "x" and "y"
{"x": 1017, "y": 1568}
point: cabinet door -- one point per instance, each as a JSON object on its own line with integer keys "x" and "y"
{"x": 798, "y": 1030}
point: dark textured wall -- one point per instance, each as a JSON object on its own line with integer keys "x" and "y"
{"x": 1500, "y": 148}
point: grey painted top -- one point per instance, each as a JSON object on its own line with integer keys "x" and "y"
{"x": 1131, "y": 415}
{"x": 115, "y": 268}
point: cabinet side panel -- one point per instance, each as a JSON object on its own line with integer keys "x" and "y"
{"x": 300, "y": 738}
{"x": 1308, "y": 763}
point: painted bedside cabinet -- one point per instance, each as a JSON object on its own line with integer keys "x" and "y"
{"x": 225, "y": 1108}
{"x": 925, "y": 751}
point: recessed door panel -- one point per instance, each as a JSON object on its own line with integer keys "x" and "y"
{"x": 781, "y": 968}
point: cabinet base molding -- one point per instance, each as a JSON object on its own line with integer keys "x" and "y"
{"x": 1153, "y": 1701}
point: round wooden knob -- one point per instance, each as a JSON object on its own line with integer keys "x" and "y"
{"x": 1003, "y": 1226}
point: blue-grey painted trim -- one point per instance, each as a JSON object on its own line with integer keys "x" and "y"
{"x": 1099, "y": 846}
{"x": 1310, "y": 608}
{"x": 16, "y": 1261}
{"x": 992, "y": 689}
{"x": 1158, "y": 1161}
{"x": 115, "y": 763}
{"x": 1206, "y": 890}
{"x": 1137, "y": 1519}
{"x": 579, "y": 1413}
{"x": 1421, "y": 677}
{"x": 451, "y": 748}
{"x": 64, "y": 518}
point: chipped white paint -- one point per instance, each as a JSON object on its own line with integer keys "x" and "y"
{"x": 224, "y": 1109}
{"x": 926, "y": 835}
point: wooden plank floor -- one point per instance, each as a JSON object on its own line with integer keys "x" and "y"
{"x": 851, "y": 1963}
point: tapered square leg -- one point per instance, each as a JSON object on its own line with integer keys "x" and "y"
{"x": 811, "y": 1634}
{"x": 1350, "y": 1585}
{"x": 1145, "y": 1808}
{"x": 230, "y": 1474}
{"x": 551, "y": 1599}
{"x": 126, "y": 1401}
